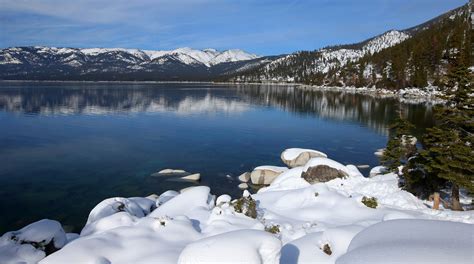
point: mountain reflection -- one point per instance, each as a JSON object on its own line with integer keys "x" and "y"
{"x": 376, "y": 113}
{"x": 58, "y": 99}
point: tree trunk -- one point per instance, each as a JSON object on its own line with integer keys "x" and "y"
{"x": 436, "y": 201}
{"x": 455, "y": 204}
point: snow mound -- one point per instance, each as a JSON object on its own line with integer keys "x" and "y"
{"x": 28, "y": 245}
{"x": 149, "y": 240}
{"x": 293, "y": 153}
{"x": 243, "y": 246}
{"x": 114, "y": 205}
{"x": 412, "y": 241}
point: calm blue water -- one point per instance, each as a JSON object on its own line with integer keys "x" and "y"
{"x": 64, "y": 147}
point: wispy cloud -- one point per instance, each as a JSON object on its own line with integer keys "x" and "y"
{"x": 260, "y": 26}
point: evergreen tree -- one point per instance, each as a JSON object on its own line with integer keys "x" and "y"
{"x": 449, "y": 151}
{"x": 399, "y": 146}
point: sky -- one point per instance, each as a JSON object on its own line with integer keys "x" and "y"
{"x": 263, "y": 27}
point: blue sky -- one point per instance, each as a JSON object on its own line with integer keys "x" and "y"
{"x": 260, "y": 26}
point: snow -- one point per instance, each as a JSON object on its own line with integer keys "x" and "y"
{"x": 17, "y": 246}
{"x": 412, "y": 241}
{"x": 246, "y": 246}
{"x": 207, "y": 57}
{"x": 293, "y": 153}
{"x": 331, "y": 163}
{"x": 271, "y": 168}
{"x": 377, "y": 170}
{"x": 311, "y": 223}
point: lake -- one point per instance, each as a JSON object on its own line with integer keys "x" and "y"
{"x": 64, "y": 147}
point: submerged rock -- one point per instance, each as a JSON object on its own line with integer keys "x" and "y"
{"x": 266, "y": 174}
{"x": 294, "y": 157}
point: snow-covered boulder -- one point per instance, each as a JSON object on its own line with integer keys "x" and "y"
{"x": 242, "y": 246}
{"x": 32, "y": 243}
{"x": 166, "y": 196}
{"x": 266, "y": 174}
{"x": 323, "y": 170}
{"x": 294, "y": 157}
{"x": 114, "y": 205}
{"x": 377, "y": 170}
{"x": 412, "y": 241}
{"x": 194, "y": 203}
{"x": 149, "y": 240}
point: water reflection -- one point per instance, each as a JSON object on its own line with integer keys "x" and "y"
{"x": 45, "y": 99}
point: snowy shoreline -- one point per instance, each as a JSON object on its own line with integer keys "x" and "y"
{"x": 289, "y": 221}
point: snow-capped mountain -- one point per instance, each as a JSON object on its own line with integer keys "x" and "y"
{"x": 89, "y": 63}
{"x": 414, "y": 57}
{"x": 323, "y": 60}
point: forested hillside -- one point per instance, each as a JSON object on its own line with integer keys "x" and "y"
{"x": 415, "y": 57}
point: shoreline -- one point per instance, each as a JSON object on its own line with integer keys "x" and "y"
{"x": 329, "y": 214}
{"x": 430, "y": 94}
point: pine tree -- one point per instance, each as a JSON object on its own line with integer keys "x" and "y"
{"x": 399, "y": 146}
{"x": 449, "y": 152}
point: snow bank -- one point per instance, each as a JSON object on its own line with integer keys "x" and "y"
{"x": 412, "y": 241}
{"x": 244, "y": 246}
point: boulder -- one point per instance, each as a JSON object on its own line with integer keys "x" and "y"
{"x": 168, "y": 172}
{"x": 192, "y": 177}
{"x": 377, "y": 171}
{"x": 243, "y": 186}
{"x": 379, "y": 152}
{"x": 322, "y": 173}
{"x": 294, "y": 157}
{"x": 32, "y": 243}
{"x": 244, "y": 177}
{"x": 266, "y": 174}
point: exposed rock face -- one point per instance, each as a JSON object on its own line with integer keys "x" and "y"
{"x": 322, "y": 173}
{"x": 266, "y": 174}
{"x": 295, "y": 157}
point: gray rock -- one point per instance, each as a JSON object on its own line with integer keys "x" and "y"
{"x": 322, "y": 173}
{"x": 244, "y": 177}
{"x": 295, "y": 157}
{"x": 243, "y": 186}
{"x": 192, "y": 177}
{"x": 266, "y": 174}
{"x": 168, "y": 172}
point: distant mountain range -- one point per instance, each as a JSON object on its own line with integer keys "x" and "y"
{"x": 50, "y": 63}
{"x": 415, "y": 57}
